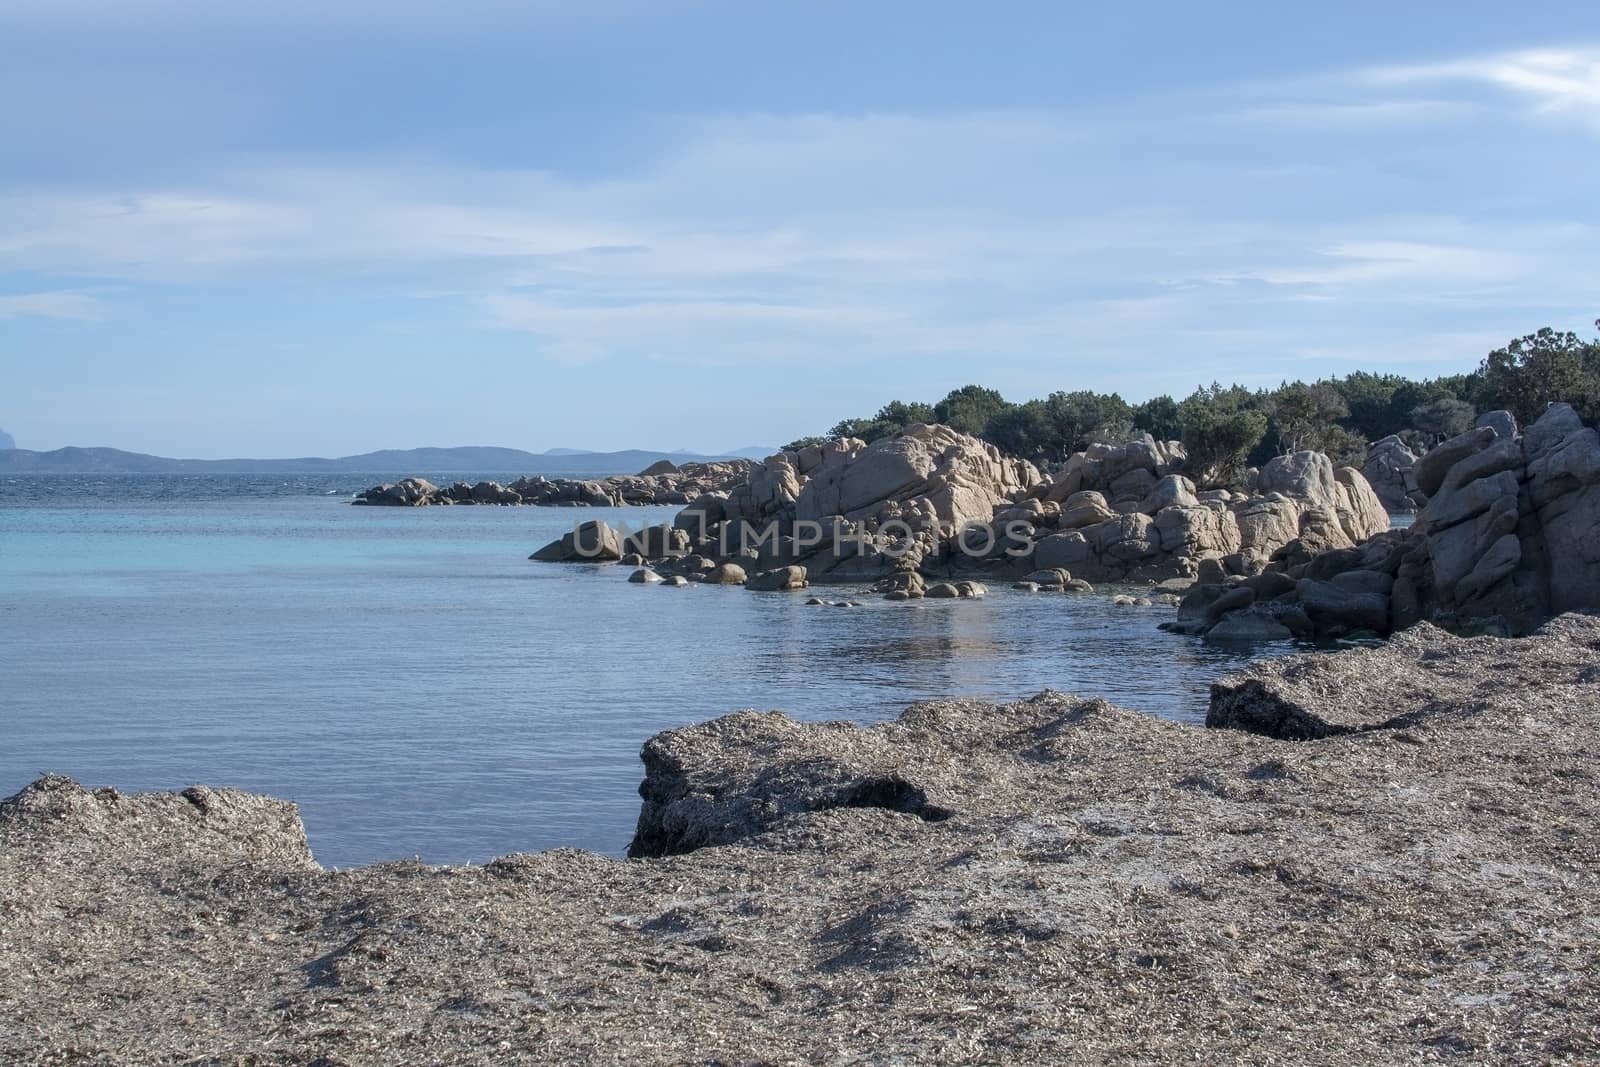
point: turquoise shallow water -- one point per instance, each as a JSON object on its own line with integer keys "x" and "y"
{"x": 421, "y": 688}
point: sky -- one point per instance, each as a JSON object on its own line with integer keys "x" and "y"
{"x": 321, "y": 228}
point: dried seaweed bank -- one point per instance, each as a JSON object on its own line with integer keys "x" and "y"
{"x": 1054, "y": 880}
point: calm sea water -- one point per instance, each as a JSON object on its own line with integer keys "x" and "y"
{"x": 421, "y": 688}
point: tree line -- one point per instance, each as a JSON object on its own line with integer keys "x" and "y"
{"x": 1227, "y": 428}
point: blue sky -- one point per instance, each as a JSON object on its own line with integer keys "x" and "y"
{"x": 321, "y": 228}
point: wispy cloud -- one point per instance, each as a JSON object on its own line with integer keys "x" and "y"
{"x": 1562, "y": 83}
{"x": 1385, "y": 262}
{"x": 1041, "y": 238}
{"x": 56, "y": 305}
{"x": 1356, "y": 114}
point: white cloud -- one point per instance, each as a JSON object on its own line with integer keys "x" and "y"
{"x": 56, "y": 305}
{"x": 1356, "y": 114}
{"x": 1557, "y": 82}
{"x": 1364, "y": 262}
{"x": 1033, "y": 239}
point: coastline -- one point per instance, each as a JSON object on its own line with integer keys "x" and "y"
{"x": 1052, "y": 879}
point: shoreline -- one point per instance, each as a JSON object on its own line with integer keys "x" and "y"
{"x": 1050, "y": 879}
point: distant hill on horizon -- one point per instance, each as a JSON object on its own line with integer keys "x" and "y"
{"x": 466, "y": 460}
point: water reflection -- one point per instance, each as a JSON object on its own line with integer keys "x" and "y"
{"x": 419, "y": 687}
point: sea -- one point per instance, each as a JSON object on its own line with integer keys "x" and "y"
{"x": 420, "y": 688}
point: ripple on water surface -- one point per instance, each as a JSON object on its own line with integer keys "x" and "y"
{"x": 421, "y": 688}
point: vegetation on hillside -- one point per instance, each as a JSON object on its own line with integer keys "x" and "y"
{"x": 1226, "y": 428}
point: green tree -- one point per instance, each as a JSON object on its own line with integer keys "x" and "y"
{"x": 1079, "y": 415}
{"x": 1306, "y": 416}
{"x": 869, "y": 430}
{"x": 1442, "y": 418}
{"x": 969, "y": 408}
{"x": 901, "y": 414}
{"x": 1219, "y": 428}
{"x": 803, "y": 443}
{"x": 1371, "y": 403}
{"x": 893, "y": 417}
{"x": 1535, "y": 371}
{"x": 1158, "y": 417}
{"x": 1021, "y": 429}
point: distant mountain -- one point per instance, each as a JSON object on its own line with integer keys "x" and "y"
{"x": 7, "y": 442}
{"x": 464, "y": 461}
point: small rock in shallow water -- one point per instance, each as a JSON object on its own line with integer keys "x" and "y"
{"x": 780, "y": 580}
{"x": 1055, "y": 577}
{"x": 727, "y": 574}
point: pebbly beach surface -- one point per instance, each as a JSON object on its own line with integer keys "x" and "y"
{"x": 1379, "y": 855}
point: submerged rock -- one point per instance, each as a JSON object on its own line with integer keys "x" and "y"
{"x": 1248, "y": 626}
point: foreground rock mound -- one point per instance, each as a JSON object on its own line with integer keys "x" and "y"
{"x": 1509, "y": 537}
{"x": 1054, "y": 880}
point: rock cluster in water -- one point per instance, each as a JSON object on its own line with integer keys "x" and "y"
{"x": 1380, "y": 856}
{"x": 663, "y": 483}
{"x": 1509, "y": 536}
{"x": 943, "y": 505}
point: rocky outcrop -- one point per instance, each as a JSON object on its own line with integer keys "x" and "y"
{"x": 406, "y": 493}
{"x": 950, "y": 507}
{"x": 656, "y": 486}
{"x": 662, "y": 484}
{"x": 849, "y": 511}
{"x": 1390, "y": 470}
{"x": 658, "y": 542}
{"x": 1507, "y": 539}
{"x": 589, "y": 542}
{"x": 1054, "y": 880}
{"x": 1114, "y": 526}
{"x": 924, "y": 475}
